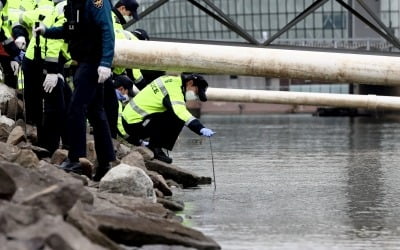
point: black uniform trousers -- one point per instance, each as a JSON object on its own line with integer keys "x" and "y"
{"x": 162, "y": 130}
{"x": 111, "y": 107}
{"x": 55, "y": 117}
{"x": 10, "y": 79}
{"x": 33, "y": 93}
{"x": 47, "y": 111}
{"x": 87, "y": 102}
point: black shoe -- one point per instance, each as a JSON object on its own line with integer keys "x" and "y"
{"x": 160, "y": 155}
{"x": 100, "y": 172}
{"x": 69, "y": 166}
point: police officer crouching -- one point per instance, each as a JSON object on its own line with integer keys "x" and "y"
{"x": 158, "y": 112}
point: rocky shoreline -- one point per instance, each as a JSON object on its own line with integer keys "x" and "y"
{"x": 132, "y": 207}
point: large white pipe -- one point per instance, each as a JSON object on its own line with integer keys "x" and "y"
{"x": 231, "y": 60}
{"x": 371, "y": 102}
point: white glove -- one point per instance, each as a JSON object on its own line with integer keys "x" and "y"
{"x": 20, "y": 42}
{"x": 207, "y": 132}
{"x": 15, "y": 67}
{"x": 39, "y": 30}
{"x": 104, "y": 73}
{"x": 50, "y": 82}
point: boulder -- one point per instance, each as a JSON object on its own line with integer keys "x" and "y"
{"x": 146, "y": 153}
{"x": 139, "y": 229}
{"x": 171, "y": 205}
{"x": 134, "y": 158}
{"x": 122, "y": 150}
{"x": 88, "y": 227}
{"x": 7, "y": 186}
{"x": 4, "y": 120}
{"x": 57, "y": 199}
{"x": 16, "y": 216}
{"x": 123, "y": 204}
{"x": 55, "y": 234}
{"x": 16, "y": 136}
{"x": 27, "y": 158}
{"x": 128, "y": 180}
{"x": 59, "y": 156}
{"x": 170, "y": 171}
{"x": 159, "y": 183}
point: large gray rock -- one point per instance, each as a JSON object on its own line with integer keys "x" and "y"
{"x": 122, "y": 150}
{"x": 88, "y": 227}
{"x": 146, "y": 153}
{"x": 27, "y": 158}
{"x": 33, "y": 181}
{"x": 4, "y": 131}
{"x": 15, "y": 216}
{"x": 122, "y": 204}
{"x": 134, "y": 158}
{"x": 24, "y": 157}
{"x": 128, "y": 180}
{"x": 160, "y": 183}
{"x": 56, "y": 199}
{"x": 7, "y": 185}
{"x": 139, "y": 229}
{"x": 169, "y": 171}
{"x": 56, "y": 234}
{"x": 4, "y": 120}
{"x": 16, "y": 136}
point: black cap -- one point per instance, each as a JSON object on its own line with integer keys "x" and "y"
{"x": 132, "y": 6}
{"x": 201, "y": 84}
{"x": 125, "y": 82}
{"x": 141, "y": 34}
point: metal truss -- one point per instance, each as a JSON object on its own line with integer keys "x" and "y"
{"x": 213, "y": 11}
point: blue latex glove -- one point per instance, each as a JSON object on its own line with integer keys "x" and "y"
{"x": 20, "y": 57}
{"x": 206, "y": 132}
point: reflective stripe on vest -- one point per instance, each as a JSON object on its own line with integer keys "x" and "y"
{"x": 137, "y": 109}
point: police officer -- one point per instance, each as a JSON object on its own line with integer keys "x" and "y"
{"x": 124, "y": 90}
{"x": 13, "y": 48}
{"x": 159, "y": 112}
{"x": 32, "y": 67}
{"x": 90, "y": 34}
{"x": 11, "y": 22}
{"x": 122, "y": 11}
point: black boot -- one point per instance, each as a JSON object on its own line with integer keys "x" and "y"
{"x": 100, "y": 172}
{"x": 160, "y": 155}
{"x": 71, "y": 166}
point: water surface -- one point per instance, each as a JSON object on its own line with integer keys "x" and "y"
{"x": 295, "y": 182}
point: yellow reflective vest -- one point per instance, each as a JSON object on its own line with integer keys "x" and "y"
{"x": 119, "y": 122}
{"x": 28, "y": 19}
{"x": 152, "y": 99}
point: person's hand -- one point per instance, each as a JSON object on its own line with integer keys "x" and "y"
{"x": 206, "y": 132}
{"x": 104, "y": 73}
{"x": 50, "y": 82}
{"x": 20, "y": 42}
{"x": 15, "y": 67}
{"x": 39, "y": 30}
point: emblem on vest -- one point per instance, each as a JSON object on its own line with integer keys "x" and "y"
{"x": 98, "y": 3}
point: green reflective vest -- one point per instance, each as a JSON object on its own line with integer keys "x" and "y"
{"x": 150, "y": 100}
{"x": 119, "y": 122}
{"x": 28, "y": 19}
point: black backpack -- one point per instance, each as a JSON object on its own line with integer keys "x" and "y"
{"x": 73, "y": 12}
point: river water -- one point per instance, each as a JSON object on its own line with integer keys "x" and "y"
{"x": 295, "y": 182}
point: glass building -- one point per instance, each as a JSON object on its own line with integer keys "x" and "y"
{"x": 329, "y": 26}
{"x": 179, "y": 19}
